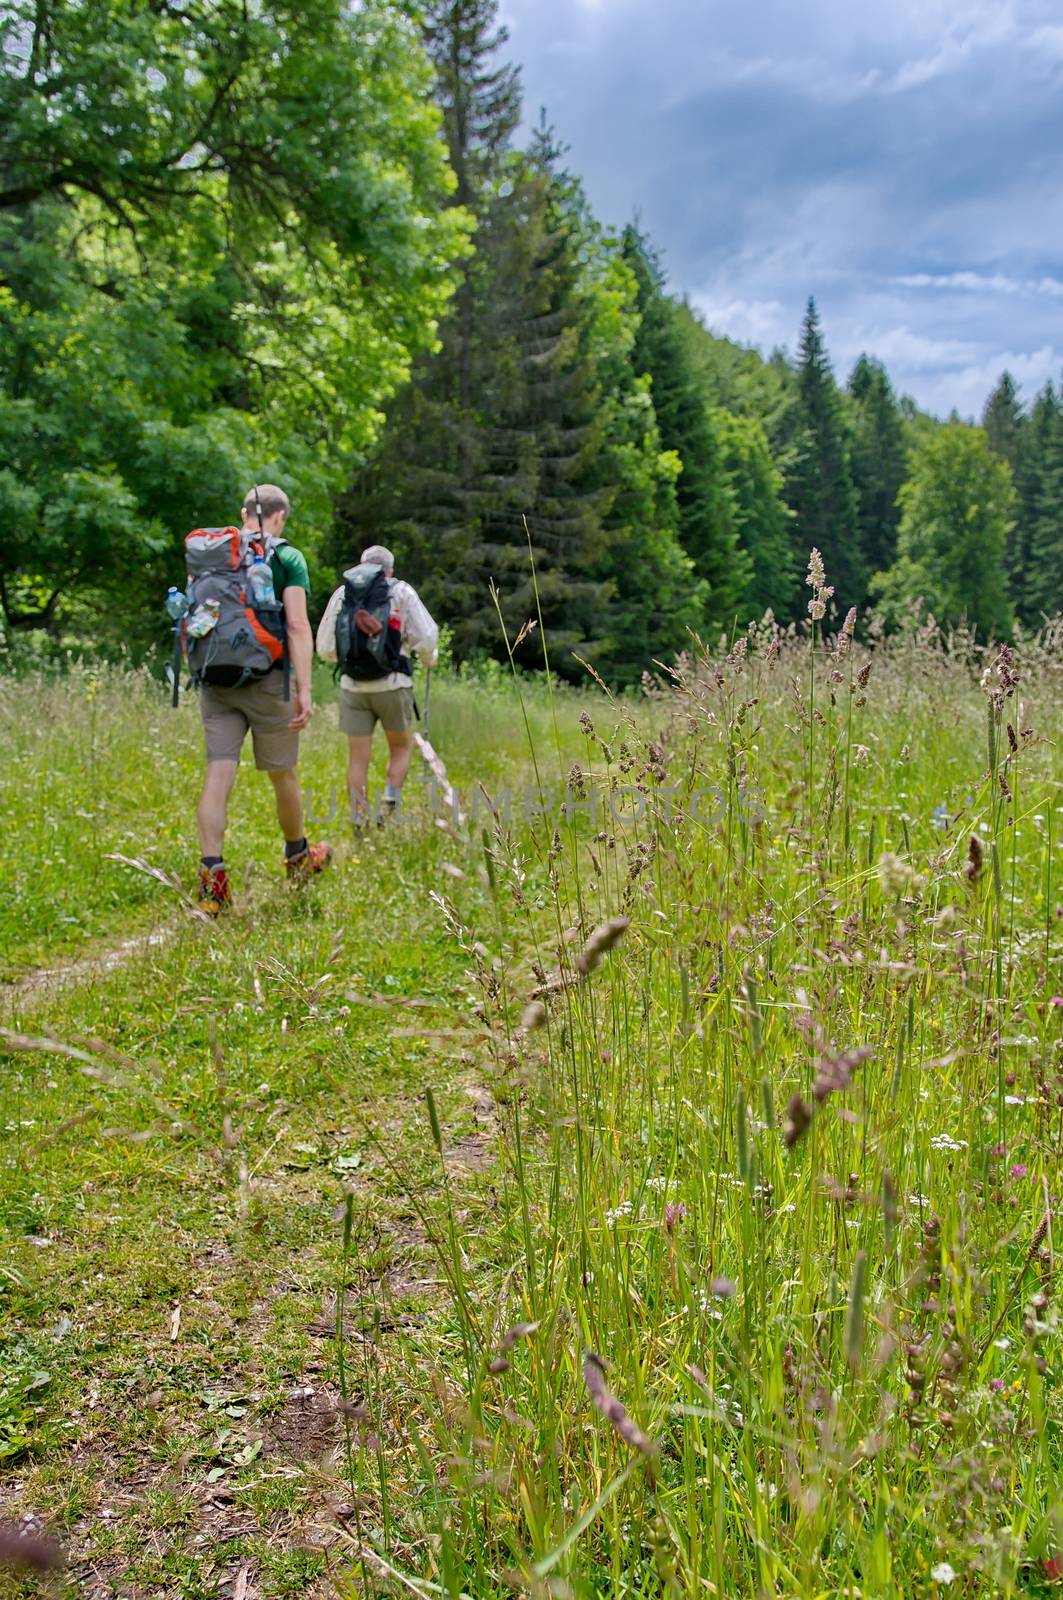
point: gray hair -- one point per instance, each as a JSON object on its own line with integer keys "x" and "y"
{"x": 378, "y": 555}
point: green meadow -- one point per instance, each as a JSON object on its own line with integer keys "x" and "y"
{"x": 644, "y": 1183}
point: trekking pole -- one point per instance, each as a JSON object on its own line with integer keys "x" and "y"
{"x": 176, "y": 664}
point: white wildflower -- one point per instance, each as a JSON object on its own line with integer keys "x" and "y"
{"x": 943, "y": 1573}
{"x": 945, "y": 1141}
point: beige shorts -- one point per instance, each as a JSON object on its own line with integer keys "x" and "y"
{"x": 261, "y": 707}
{"x": 362, "y": 709}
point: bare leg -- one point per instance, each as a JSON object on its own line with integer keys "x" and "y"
{"x": 214, "y": 805}
{"x": 289, "y": 803}
{"x": 359, "y": 753}
{"x": 400, "y": 746}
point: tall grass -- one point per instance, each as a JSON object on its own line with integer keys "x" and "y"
{"x": 744, "y": 1267}
{"x": 97, "y": 763}
{"x": 764, "y": 1303}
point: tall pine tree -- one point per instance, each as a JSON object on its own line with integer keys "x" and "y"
{"x": 1004, "y": 421}
{"x": 878, "y": 462}
{"x": 525, "y": 445}
{"x": 820, "y": 486}
{"x": 538, "y": 530}
{"x": 707, "y": 529}
{"x": 1006, "y": 429}
{"x": 1041, "y": 591}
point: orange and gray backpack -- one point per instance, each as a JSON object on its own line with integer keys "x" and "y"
{"x": 232, "y": 633}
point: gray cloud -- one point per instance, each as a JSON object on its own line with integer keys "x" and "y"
{"x": 897, "y": 160}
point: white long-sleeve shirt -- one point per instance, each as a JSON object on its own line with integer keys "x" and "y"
{"x": 419, "y": 633}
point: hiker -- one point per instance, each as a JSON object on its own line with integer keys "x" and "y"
{"x": 246, "y": 625}
{"x": 370, "y": 624}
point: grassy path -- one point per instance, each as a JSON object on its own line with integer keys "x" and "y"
{"x": 173, "y": 1173}
{"x": 175, "y": 1189}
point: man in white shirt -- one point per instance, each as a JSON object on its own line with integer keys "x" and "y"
{"x": 387, "y": 700}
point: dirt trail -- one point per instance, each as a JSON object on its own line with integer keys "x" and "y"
{"x": 85, "y": 969}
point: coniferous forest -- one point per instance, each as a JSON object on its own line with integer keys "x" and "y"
{"x": 320, "y": 253}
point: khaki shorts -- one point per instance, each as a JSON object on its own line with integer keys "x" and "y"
{"x": 362, "y": 709}
{"x": 261, "y": 707}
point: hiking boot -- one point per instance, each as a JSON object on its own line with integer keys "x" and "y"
{"x": 315, "y": 858}
{"x": 215, "y": 896}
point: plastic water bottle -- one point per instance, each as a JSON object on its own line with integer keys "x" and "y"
{"x": 260, "y": 582}
{"x": 203, "y": 619}
{"x": 176, "y": 603}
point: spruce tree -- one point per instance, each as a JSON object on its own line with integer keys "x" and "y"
{"x": 479, "y": 96}
{"x": 819, "y": 486}
{"x": 1007, "y": 434}
{"x": 878, "y": 462}
{"x": 538, "y": 527}
{"x": 1004, "y": 421}
{"x": 707, "y": 530}
{"x": 1041, "y": 593}
{"x": 420, "y": 488}
{"x": 523, "y": 463}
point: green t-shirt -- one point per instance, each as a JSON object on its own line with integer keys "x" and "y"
{"x": 289, "y": 569}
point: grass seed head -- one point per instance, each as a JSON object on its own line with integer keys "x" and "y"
{"x": 612, "y": 1409}
{"x": 520, "y": 1330}
{"x": 798, "y": 1121}
{"x": 601, "y": 940}
{"x": 975, "y": 857}
{"x": 834, "y": 1073}
{"x": 533, "y": 1016}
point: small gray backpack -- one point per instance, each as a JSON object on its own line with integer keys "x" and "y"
{"x": 246, "y": 640}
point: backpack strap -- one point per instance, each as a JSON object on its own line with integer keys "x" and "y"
{"x": 271, "y": 543}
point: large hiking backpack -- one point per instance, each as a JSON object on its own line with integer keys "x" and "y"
{"x": 368, "y": 637}
{"x": 246, "y": 641}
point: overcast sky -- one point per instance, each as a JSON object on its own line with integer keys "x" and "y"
{"x": 902, "y": 160}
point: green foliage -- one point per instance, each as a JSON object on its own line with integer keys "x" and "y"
{"x": 524, "y": 464}
{"x": 819, "y": 485}
{"x": 1003, "y": 421}
{"x": 956, "y": 510}
{"x": 736, "y": 379}
{"x": 201, "y": 284}
{"x": 656, "y": 599}
{"x": 1007, "y": 434}
{"x": 878, "y": 456}
{"x": 233, "y": 245}
{"x": 479, "y": 95}
{"x": 763, "y": 521}
{"x": 707, "y": 530}
{"x": 1039, "y": 593}
{"x": 23, "y": 1385}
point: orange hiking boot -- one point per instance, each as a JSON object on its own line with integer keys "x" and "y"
{"x": 315, "y": 858}
{"x": 215, "y": 895}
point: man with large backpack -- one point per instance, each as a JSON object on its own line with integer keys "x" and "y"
{"x": 370, "y": 625}
{"x": 246, "y": 629}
